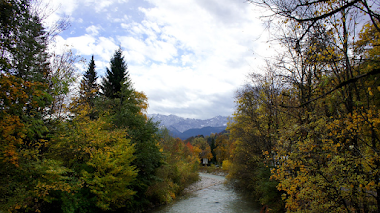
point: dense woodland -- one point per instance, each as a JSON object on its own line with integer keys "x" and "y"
{"x": 305, "y": 136}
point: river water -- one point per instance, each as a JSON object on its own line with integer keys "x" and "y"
{"x": 217, "y": 198}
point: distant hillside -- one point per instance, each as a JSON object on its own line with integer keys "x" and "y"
{"x": 187, "y": 127}
{"x": 183, "y": 124}
{"x": 194, "y": 132}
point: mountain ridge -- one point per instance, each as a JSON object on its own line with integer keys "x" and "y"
{"x": 195, "y": 132}
{"x": 183, "y": 124}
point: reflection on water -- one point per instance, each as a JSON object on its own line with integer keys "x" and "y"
{"x": 218, "y": 198}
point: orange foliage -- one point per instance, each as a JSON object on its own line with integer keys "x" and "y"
{"x": 191, "y": 148}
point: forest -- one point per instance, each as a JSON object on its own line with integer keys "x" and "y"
{"x": 305, "y": 135}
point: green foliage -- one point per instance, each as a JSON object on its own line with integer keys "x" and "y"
{"x": 23, "y": 42}
{"x": 266, "y": 189}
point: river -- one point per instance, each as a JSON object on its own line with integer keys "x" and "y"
{"x": 210, "y": 196}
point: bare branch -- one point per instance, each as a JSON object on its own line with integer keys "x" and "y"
{"x": 326, "y": 14}
{"x": 350, "y": 81}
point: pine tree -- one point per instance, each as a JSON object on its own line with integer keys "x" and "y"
{"x": 89, "y": 87}
{"x": 116, "y": 76}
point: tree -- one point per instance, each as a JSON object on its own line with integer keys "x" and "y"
{"x": 62, "y": 78}
{"x": 89, "y": 86}
{"x": 211, "y": 141}
{"x": 254, "y": 132}
{"x": 126, "y": 108}
{"x": 310, "y": 12}
{"x": 224, "y": 148}
{"x": 116, "y": 77}
{"x": 23, "y": 42}
{"x": 88, "y": 93}
{"x": 204, "y": 148}
{"x": 99, "y": 158}
{"x": 25, "y": 98}
{"x": 325, "y": 153}
{"x": 23, "y": 71}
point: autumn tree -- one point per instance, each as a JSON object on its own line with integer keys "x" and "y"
{"x": 323, "y": 152}
{"x": 99, "y": 159}
{"x": 224, "y": 148}
{"x": 254, "y": 132}
{"x": 203, "y": 148}
{"x": 25, "y": 99}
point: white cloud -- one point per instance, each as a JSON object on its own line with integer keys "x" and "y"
{"x": 218, "y": 54}
{"x": 188, "y": 56}
{"x": 145, "y": 44}
{"x": 93, "y": 30}
{"x": 90, "y": 45}
{"x": 122, "y": 19}
{"x": 100, "y": 6}
{"x": 66, "y": 7}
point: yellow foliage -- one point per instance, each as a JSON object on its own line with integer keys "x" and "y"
{"x": 226, "y": 165}
{"x": 331, "y": 167}
{"x": 16, "y": 94}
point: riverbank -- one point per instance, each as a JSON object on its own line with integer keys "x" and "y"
{"x": 213, "y": 170}
{"x": 205, "y": 181}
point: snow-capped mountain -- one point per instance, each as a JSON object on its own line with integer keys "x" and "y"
{"x": 182, "y": 124}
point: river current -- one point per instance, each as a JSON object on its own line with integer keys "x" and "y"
{"x": 218, "y": 198}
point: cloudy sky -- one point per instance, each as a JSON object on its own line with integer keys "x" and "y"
{"x": 188, "y": 56}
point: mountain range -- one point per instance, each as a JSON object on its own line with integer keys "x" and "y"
{"x": 187, "y": 127}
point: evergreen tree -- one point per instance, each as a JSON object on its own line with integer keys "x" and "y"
{"x": 126, "y": 108}
{"x": 89, "y": 87}
{"x": 116, "y": 76}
